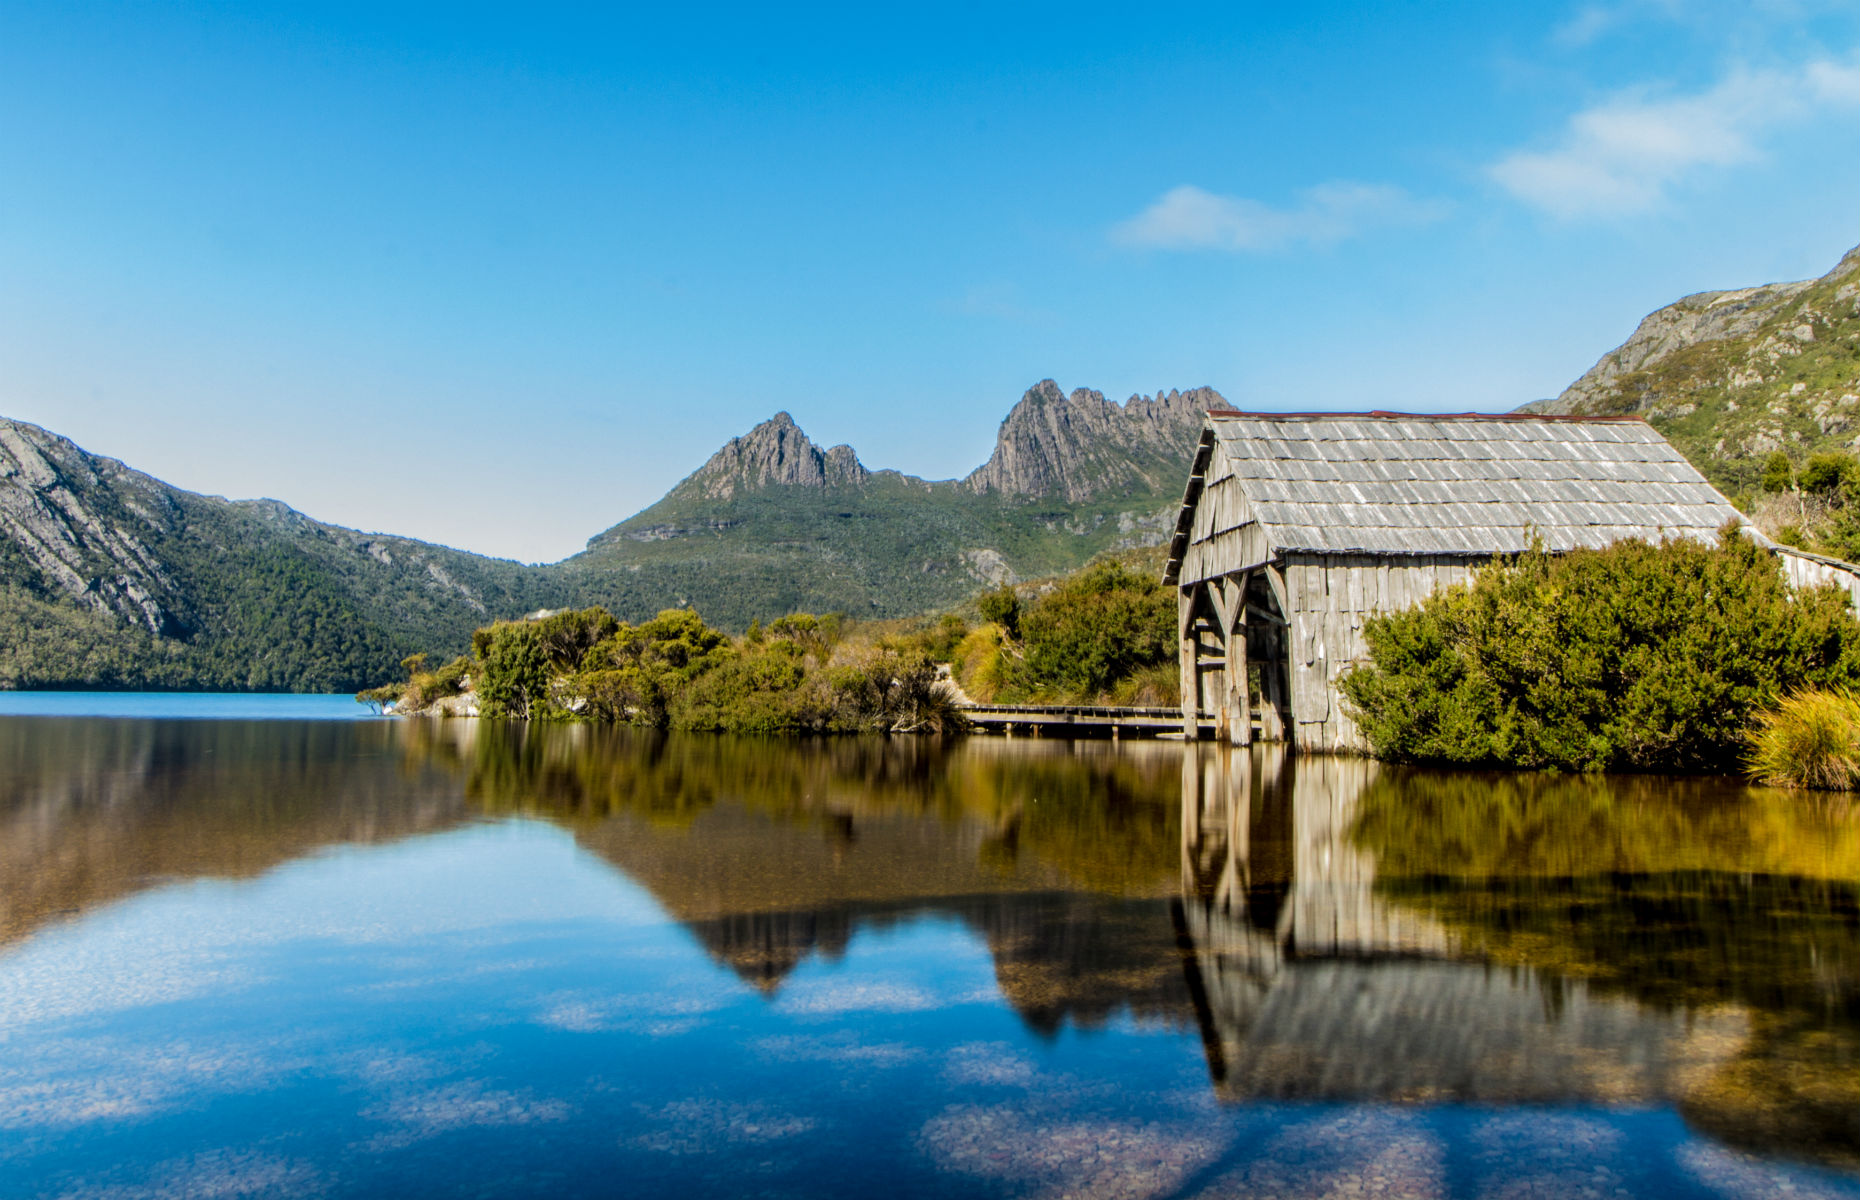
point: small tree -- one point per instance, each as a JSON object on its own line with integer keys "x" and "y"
{"x": 1002, "y": 606}
{"x": 1098, "y": 627}
{"x": 514, "y": 669}
{"x": 1778, "y": 472}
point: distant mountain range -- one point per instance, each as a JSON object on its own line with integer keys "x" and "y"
{"x": 773, "y": 523}
{"x": 111, "y": 578}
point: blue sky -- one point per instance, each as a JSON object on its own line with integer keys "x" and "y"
{"x": 499, "y": 276}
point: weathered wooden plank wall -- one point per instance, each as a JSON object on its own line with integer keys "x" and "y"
{"x": 1331, "y": 597}
{"x": 1805, "y": 571}
{"x": 1224, "y": 536}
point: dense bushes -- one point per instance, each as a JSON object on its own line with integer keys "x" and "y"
{"x": 1098, "y": 627}
{"x": 1634, "y": 657}
{"x": 1106, "y": 633}
{"x": 676, "y": 672}
{"x": 1814, "y": 504}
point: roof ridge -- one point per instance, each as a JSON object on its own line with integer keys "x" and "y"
{"x": 1385, "y": 415}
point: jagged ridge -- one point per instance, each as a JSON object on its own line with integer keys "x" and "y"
{"x": 1082, "y": 446}
{"x": 773, "y": 454}
{"x": 773, "y": 522}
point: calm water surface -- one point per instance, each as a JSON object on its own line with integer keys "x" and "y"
{"x": 185, "y": 706}
{"x": 276, "y": 957}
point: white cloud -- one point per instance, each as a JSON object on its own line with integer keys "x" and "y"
{"x": 1623, "y": 156}
{"x": 1189, "y": 218}
{"x": 1589, "y": 23}
{"x": 1594, "y": 21}
{"x": 1723, "y": 22}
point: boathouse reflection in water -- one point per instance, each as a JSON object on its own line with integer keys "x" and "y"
{"x": 1313, "y": 984}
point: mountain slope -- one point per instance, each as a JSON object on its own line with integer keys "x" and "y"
{"x": 109, "y": 577}
{"x": 1731, "y": 377}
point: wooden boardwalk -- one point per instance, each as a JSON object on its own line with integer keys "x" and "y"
{"x": 1078, "y": 720}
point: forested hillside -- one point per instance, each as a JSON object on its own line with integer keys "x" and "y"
{"x": 110, "y": 578}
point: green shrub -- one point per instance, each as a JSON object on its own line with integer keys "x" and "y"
{"x": 675, "y": 671}
{"x": 1002, "y": 607}
{"x": 893, "y": 693}
{"x": 1778, "y": 472}
{"x": 422, "y": 686}
{"x": 634, "y": 673}
{"x": 945, "y": 637}
{"x": 381, "y": 697}
{"x": 1098, "y": 627}
{"x": 428, "y": 686}
{"x": 1810, "y": 740}
{"x": 753, "y": 693}
{"x": 514, "y": 670}
{"x": 629, "y": 695}
{"x": 568, "y": 636}
{"x": 1830, "y": 473}
{"x": 676, "y": 644}
{"x": 1633, "y": 657}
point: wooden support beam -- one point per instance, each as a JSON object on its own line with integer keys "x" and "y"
{"x": 1273, "y": 701}
{"x": 1239, "y": 696}
{"x": 1220, "y": 597}
{"x": 1191, "y": 681}
{"x": 1275, "y": 679}
{"x": 1227, "y": 598}
{"x": 1256, "y": 615}
{"x": 1277, "y": 582}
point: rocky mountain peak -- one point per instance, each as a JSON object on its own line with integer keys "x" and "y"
{"x": 774, "y": 453}
{"x": 1082, "y": 445}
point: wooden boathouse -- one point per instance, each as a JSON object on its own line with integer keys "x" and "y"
{"x": 1295, "y": 528}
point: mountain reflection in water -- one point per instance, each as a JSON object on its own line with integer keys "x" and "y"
{"x": 1331, "y": 931}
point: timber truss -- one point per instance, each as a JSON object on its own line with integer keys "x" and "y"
{"x": 1235, "y": 656}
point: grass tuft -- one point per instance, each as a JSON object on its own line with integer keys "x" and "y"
{"x": 1811, "y": 740}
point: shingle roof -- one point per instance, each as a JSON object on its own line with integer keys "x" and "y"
{"x": 1394, "y": 483}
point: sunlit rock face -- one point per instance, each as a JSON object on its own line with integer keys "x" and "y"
{"x": 1730, "y": 377}
{"x": 773, "y": 454}
{"x": 1083, "y": 446}
{"x": 82, "y": 524}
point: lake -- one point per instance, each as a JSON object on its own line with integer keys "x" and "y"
{"x": 259, "y": 957}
